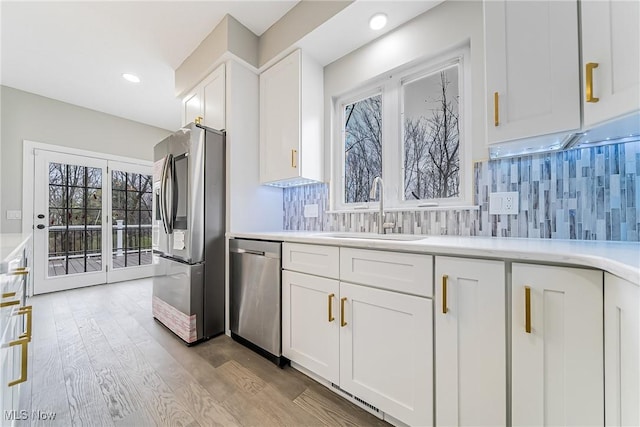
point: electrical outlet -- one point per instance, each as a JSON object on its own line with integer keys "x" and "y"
{"x": 504, "y": 203}
{"x": 311, "y": 211}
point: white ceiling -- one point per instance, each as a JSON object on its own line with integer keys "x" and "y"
{"x": 76, "y": 51}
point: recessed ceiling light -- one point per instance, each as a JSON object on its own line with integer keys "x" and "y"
{"x": 378, "y": 21}
{"x": 131, "y": 77}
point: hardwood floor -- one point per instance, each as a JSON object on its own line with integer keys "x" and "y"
{"x": 98, "y": 358}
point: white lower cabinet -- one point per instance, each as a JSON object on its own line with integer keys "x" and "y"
{"x": 310, "y": 330}
{"x": 375, "y": 344}
{"x": 557, "y": 346}
{"x": 386, "y": 351}
{"x": 470, "y": 342}
{"x": 621, "y": 352}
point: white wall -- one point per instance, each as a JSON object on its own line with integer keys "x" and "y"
{"x": 26, "y": 116}
{"x": 442, "y": 28}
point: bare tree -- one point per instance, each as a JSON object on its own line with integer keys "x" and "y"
{"x": 431, "y": 149}
{"x": 363, "y": 147}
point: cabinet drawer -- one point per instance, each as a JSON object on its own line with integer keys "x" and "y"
{"x": 312, "y": 259}
{"x": 410, "y": 273}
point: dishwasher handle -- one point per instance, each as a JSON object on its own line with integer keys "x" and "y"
{"x": 265, "y": 254}
{"x": 247, "y": 251}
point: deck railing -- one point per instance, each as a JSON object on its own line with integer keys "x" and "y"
{"x": 75, "y": 241}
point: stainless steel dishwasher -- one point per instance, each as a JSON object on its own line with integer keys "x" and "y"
{"x": 255, "y": 296}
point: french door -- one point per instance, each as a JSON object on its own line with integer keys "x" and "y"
{"x": 92, "y": 221}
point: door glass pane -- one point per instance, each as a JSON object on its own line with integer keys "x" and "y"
{"x": 75, "y": 218}
{"x": 131, "y": 219}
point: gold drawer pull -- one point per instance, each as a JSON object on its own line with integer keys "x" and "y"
{"x": 24, "y": 343}
{"x": 343, "y": 322}
{"x": 589, "y": 77}
{"x": 9, "y": 295}
{"x": 527, "y": 309}
{"x": 4, "y": 304}
{"x": 331, "y": 318}
{"x": 444, "y": 294}
{"x": 22, "y": 272}
{"x": 27, "y": 311}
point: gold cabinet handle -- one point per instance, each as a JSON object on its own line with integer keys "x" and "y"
{"x": 23, "y": 271}
{"x": 444, "y": 293}
{"x": 4, "y": 304}
{"x": 23, "y": 342}
{"x": 198, "y": 120}
{"x": 331, "y": 318}
{"x": 589, "y": 77}
{"x": 27, "y": 311}
{"x": 527, "y": 309}
{"x": 343, "y": 322}
{"x": 496, "y": 109}
{"x": 294, "y": 158}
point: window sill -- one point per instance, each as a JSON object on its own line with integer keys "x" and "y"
{"x": 375, "y": 208}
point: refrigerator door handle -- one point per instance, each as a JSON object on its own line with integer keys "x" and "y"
{"x": 166, "y": 195}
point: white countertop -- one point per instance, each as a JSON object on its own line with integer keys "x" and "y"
{"x": 619, "y": 258}
{"x": 10, "y": 244}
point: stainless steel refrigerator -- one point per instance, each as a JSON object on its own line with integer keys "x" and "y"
{"x": 188, "y": 232}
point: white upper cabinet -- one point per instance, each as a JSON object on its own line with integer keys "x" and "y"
{"x": 611, "y": 59}
{"x": 531, "y": 57}
{"x": 207, "y": 101}
{"x": 557, "y": 346}
{"x": 291, "y": 121}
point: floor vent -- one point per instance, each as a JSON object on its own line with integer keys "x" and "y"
{"x": 368, "y": 405}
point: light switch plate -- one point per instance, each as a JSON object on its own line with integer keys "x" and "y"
{"x": 14, "y": 214}
{"x": 504, "y": 203}
{"x": 311, "y": 211}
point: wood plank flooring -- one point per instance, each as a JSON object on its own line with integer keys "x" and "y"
{"x": 98, "y": 358}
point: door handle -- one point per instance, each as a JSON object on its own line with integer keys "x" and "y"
{"x": 330, "y": 308}
{"x": 24, "y": 343}
{"x": 444, "y": 293}
{"x": 343, "y": 322}
{"x": 527, "y": 309}
{"x": 40, "y": 226}
{"x": 589, "y": 77}
{"x": 40, "y": 216}
{"x": 28, "y": 312}
{"x": 496, "y": 109}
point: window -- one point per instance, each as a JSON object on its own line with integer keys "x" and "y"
{"x": 362, "y": 147}
{"x": 408, "y": 128}
{"x": 431, "y": 137}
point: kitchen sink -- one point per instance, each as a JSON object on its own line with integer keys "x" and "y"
{"x": 373, "y": 236}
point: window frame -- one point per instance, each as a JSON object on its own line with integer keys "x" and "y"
{"x": 390, "y": 86}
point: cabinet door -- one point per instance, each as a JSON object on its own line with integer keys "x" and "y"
{"x": 621, "y": 352}
{"x": 470, "y": 342}
{"x": 280, "y": 119}
{"x": 557, "y": 367}
{"x": 531, "y": 56}
{"x": 310, "y": 335}
{"x": 611, "y": 39}
{"x": 213, "y": 99}
{"x": 192, "y": 107}
{"x": 386, "y": 351}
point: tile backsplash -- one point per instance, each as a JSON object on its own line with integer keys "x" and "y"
{"x": 585, "y": 194}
